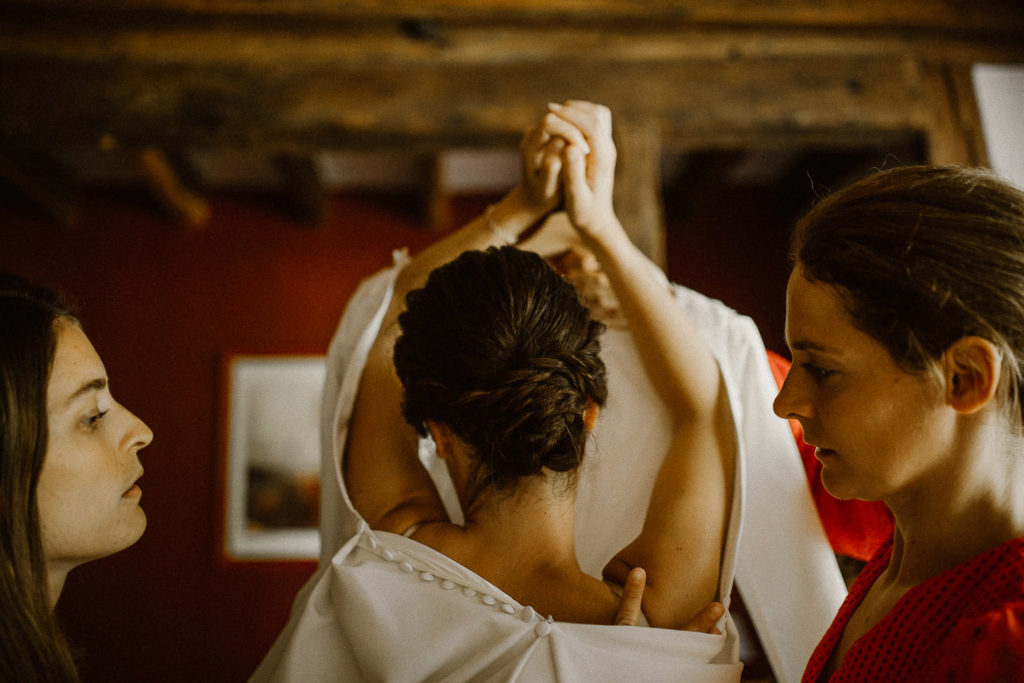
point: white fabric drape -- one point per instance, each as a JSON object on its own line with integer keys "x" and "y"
{"x": 383, "y": 607}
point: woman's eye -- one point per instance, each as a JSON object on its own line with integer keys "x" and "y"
{"x": 93, "y": 420}
{"x": 817, "y": 372}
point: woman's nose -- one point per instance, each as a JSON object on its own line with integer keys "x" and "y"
{"x": 785, "y": 404}
{"x": 138, "y": 435}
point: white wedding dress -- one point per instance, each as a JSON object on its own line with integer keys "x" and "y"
{"x": 382, "y": 607}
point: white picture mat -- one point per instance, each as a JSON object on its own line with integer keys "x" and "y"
{"x": 273, "y": 421}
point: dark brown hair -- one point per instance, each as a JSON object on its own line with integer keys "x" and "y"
{"x": 924, "y": 255}
{"x": 498, "y": 347}
{"x": 32, "y": 647}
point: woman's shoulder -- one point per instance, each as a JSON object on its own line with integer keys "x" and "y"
{"x": 987, "y": 641}
{"x": 992, "y": 578}
{"x": 986, "y": 647}
{"x": 983, "y": 584}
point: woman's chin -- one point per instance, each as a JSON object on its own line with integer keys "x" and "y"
{"x": 133, "y": 530}
{"x": 838, "y": 486}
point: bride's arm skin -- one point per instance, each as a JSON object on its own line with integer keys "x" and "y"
{"x": 680, "y": 546}
{"x": 632, "y": 603}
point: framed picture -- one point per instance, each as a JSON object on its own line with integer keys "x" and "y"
{"x": 272, "y": 457}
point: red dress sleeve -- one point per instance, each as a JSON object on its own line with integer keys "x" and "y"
{"x": 855, "y": 528}
{"x": 989, "y": 647}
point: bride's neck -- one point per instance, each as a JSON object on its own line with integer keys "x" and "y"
{"x": 539, "y": 515}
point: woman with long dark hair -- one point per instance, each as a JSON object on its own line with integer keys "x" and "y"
{"x": 68, "y": 472}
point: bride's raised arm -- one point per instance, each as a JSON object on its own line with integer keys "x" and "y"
{"x": 680, "y": 546}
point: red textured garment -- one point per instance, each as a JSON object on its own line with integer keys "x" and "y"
{"x": 855, "y": 528}
{"x": 965, "y": 624}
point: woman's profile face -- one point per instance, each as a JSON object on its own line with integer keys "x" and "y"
{"x": 878, "y": 430}
{"x": 581, "y": 268}
{"x": 87, "y": 494}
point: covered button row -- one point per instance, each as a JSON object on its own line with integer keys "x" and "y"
{"x": 528, "y": 614}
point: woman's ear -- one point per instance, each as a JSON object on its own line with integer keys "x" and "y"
{"x": 972, "y": 368}
{"x": 590, "y": 414}
{"x": 442, "y": 436}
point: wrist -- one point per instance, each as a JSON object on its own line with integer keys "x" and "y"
{"x": 605, "y": 234}
{"x": 512, "y": 215}
{"x": 504, "y": 236}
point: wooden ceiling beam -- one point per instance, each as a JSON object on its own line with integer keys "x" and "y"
{"x": 993, "y": 15}
{"x": 277, "y": 46}
{"x": 423, "y": 77}
{"x": 193, "y": 81}
{"x": 419, "y": 108}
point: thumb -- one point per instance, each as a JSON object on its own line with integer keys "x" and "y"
{"x": 632, "y": 598}
{"x": 575, "y": 172}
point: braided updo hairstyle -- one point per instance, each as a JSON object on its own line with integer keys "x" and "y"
{"x": 498, "y": 347}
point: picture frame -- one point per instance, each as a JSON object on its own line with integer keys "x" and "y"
{"x": 271, "y": 456}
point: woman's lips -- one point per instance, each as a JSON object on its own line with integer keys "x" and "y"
{"x": 133, "y": 491}
{"x": 822, "y": 453}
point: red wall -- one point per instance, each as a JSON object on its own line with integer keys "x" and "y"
{"x": 163, "y": 305}
{"x": 732, "y": 244}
